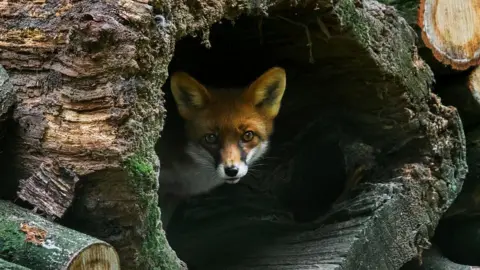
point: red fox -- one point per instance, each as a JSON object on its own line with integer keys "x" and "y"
{"x": 225, "y": 131}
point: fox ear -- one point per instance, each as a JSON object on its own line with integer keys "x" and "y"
{"x": 266, "y": 91}
{"x": 189, "y": 94}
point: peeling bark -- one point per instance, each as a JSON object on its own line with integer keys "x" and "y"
{"x": 51, "y": 188}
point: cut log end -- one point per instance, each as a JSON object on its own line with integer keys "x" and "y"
{"x": 34, "y": 242}
{"x": 451, "y": 29}
{"x": 96, "y": 256}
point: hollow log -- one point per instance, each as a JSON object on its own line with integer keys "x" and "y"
{"x": 11, "y": 266}
{"x": 31, "y": 241}
{"x": 355, "y": 130}
{"x": 451, "y": 29}
{"x": 89, "y": 77}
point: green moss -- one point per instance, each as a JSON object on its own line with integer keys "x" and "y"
{"x": 11, "y": 241}
{"x": 407, "y": 8}
{"x": 140, "y": 167}
{"x": 351, "y": 20}
{"x": 155, "y": 252}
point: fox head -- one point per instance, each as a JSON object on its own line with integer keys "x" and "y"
{"x": 229, "y": 129}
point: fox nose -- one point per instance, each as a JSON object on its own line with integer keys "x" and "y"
{"x": 231, "y": 171}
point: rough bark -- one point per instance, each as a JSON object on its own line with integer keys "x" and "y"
{"x": 451, "y": 29}
{"x": 36, "y": 243}
{"x": 88, "y": 75}
{"x": 7, "y": 94}
{"x": 51, "y": 188}
{"x": 382, "y": 102}
{"x": 11, "y": 266}
{"x": 467, "y": 204}
{"x": 457, "y": 236}
{"x": 433, "y": 259}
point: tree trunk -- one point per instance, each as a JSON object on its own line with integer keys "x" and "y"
{"x": 451, "y": 29}
{"x": 36, "y": 243}
{"x": 4, "y": 265}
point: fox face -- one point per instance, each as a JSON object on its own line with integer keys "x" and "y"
{"x": 228, "y": 129}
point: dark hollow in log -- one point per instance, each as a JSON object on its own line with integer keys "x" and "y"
{"x": 459, "y": 239}
{"x": 7, "y": 99}
{"x": 31, "y": 241}
{"x": 451, "y": 29}
{"x": 358, "y": 144}
{"x": 459, "y": 90}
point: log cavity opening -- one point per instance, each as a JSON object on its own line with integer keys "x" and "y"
{"x": 239, "y": 53}
{"x": 329, "y": 85}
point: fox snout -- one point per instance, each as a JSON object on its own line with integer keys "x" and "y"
{"x": 232, "y": 173}
{"x": 233, "y": 163}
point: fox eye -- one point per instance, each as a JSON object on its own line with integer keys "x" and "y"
{"x": 210, "y": 138}
{"x": 248, "y": 136}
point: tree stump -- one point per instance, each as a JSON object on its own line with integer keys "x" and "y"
{"x": 36, "y": 243}
{"x": 451, "y": 29}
